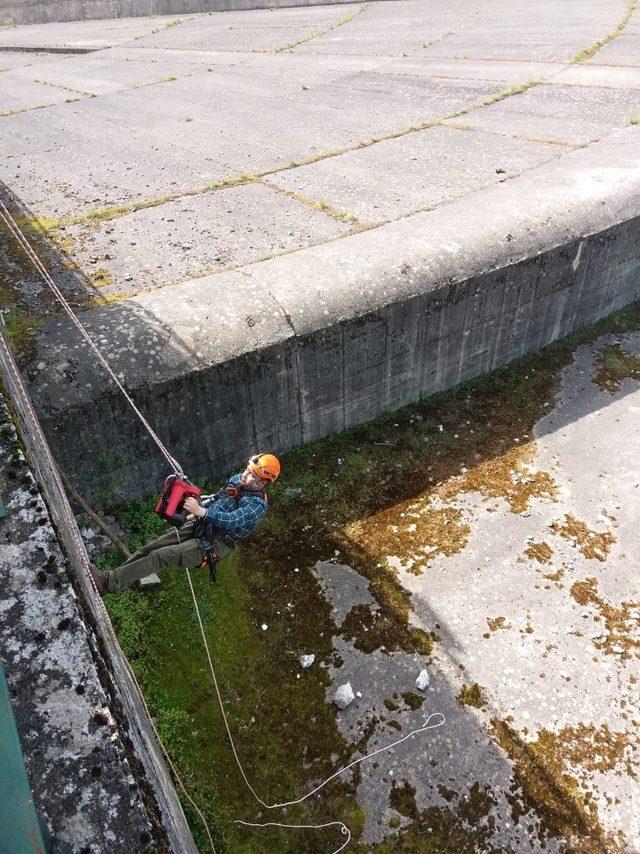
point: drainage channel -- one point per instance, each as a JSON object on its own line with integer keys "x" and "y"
{"x": 72, "y": 51}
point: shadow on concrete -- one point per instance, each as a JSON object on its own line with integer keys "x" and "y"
{"x": 468, "y": 793}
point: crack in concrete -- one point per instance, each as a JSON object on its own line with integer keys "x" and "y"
{"x": 64, "y": 88}
{"x": 314, "y": 204}
{"x": 587, "y": 52}
{"x": 346, "y": 20}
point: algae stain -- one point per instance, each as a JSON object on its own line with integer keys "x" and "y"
{"x": 471, "y": 695}
{"x": 613, "y": 365}
{"x": 621, "y": 623}
{"x": 542, "y": 552}
{"x": 413, "y": 532}
{"x": 546, "y": 783}
{"x": 413, "y": 701}
{"x": 510, "y": 476}
{"x": 554, "y": 576}
{"x": 594, "y": 545}
{"x": 463, "y": 828}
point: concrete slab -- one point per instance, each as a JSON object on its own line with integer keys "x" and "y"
{"x": 501, "y": 72}
{"x": 101, "y": 75}
{"x": 257, "y": 30}
{"x": 403, "y": 33}
{"x": 599, "y": 75}
{"x": 623, "y": 51}
{"x": 21, "y": 93}
{"x": 84, "y": 34}
{"x": 184, "y": 128}
{"x": 400, "y": 176}
{"x": 558, "y": 113}
{"x": 515, "y": 625}
{"x": 196, "y": 236}
{"x": 49, "y": 182}
{"x": 9, "y": 59}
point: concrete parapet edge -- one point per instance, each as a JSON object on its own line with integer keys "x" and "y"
{"x": 63, "y": 11}
{"x": 289, "y": 350}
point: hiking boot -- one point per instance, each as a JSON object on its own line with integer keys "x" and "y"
{"x": 99, "y": 579}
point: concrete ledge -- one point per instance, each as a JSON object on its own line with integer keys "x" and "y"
{"x": 39, "y": 12}
{"x": 289, "y": 350}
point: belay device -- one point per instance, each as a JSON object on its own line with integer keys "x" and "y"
{"x": 171, "y": 503}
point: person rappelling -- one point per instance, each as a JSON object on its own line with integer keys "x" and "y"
{"x": 207, "y": 527}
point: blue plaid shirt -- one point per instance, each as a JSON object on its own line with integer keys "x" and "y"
{"x": 236, "y": 517}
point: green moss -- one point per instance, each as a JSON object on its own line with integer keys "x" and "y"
{"x": 20, "y": 329}
{"x": 391, "y": 705}
{"x": 471, "y": 695}
{"x": 613, "y": 365}
{"x": 403, "y": 799}
{"x": 286, "y": 730}
{"x": 543, "y": 787}
{"x": 437, "y": 830}
{"x": 515, "y": 89}
{"x": 271, "y": 711}
{"x": 476, "y": 805}
{"x": 414, "y": 701}
{"x": 447, "y": 794}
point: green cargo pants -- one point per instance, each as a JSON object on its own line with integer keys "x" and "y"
{"x": 176, "y": 547}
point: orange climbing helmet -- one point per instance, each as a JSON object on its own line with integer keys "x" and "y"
{"x": 266, "y": 466}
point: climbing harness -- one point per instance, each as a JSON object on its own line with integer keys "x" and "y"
{"x": 207, "y": 532}
{"x": 176, "y": 488}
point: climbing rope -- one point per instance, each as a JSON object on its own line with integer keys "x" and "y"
{"x": 14, "y": 228}
{"x": 41, "y": 441}
{"x": 344, "y": 829}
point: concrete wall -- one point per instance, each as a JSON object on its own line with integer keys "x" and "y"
{"x": 44, "y": 11}
{"x": 306, "y": 387}
{"x": 297, "y": 347}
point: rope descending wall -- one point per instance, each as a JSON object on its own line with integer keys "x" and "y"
{"x": 145, "y": 753}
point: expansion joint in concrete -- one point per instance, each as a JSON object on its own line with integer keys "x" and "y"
{"x": 590, "y": 51}
{"x": 313, "y": 36}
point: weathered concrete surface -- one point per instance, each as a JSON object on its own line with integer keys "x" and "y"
{"x": 43, "y": 11}
{"x": 467, "y": 296}
{"x": 512, "y": 620}
{"x": 81, "y": 779}
{"x": 418, "y": 219}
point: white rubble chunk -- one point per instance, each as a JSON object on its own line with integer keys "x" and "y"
{"x": 306, "y": 660}
{"x": 344, "y": 696}
{"x": 422, "y": 681}
{"x": 148, "y": 581}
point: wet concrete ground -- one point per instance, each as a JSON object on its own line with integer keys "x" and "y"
{"x": 537, "y": 605}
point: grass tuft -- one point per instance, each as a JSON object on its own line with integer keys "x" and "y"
{"x": 515, "y": 89}
{"x": 587, "y": 52}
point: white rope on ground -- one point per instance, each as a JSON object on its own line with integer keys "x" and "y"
{"x": 440, "y": 718}
{"x": 14, "y": 228}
